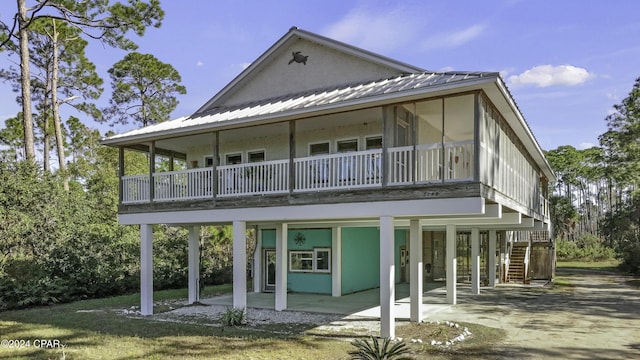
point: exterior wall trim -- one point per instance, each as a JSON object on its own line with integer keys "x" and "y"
{"x": 404, "y": 208}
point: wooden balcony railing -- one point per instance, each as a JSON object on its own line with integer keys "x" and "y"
{"x": 338, "y": 171}
{"x": 268, "y": 177}
{"x": 361, "y": 169}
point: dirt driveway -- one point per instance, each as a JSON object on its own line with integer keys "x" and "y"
{"x": 598, "y": 317}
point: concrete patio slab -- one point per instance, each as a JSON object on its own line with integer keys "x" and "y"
{"x": 364, "y": 303}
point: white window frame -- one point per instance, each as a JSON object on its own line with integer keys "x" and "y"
{"x": 228, "y": 155}
{"x": 310, "y": 258}
{"x": 347, "y": 140}
{"x": 311, "y": 255}
{"x": 371, "y": 137}
{"x": 257, "y": 151}
{"x": 315, "y": 260}
{"x": 327, "y": 142}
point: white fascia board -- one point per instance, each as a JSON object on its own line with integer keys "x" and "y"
{"x": 522, "y": 227}
{"x": 328, "y": 212}
{"x": 493, "y": 210}
{"x": 508, "y": 219}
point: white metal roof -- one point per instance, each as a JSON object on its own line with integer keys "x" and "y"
{"x": 308, "y": 101}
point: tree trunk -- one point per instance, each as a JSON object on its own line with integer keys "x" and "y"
{"x": 25, "y": 77}
{"x": 45, "y": 139}
{"x": 55, "y": 105}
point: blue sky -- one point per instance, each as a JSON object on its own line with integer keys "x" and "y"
{"x": 565, "y": 62}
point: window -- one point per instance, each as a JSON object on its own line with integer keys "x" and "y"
{"x": 233, "y": 159}
{"x": 256, "y": 156}
{"x": 322, "y": 259}
{"x": 347, "y": 145}
{"x": 374, "y": 142}
{"x": 318, "y": 260}
{"x": 319, "y": 148}
{"x": 301, "y": 261}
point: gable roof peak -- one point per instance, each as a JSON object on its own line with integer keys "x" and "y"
{"x": 295, "y": 34}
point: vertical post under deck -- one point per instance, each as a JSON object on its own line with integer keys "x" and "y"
{"x": 387, "y": 278}
{"x": 336, "y": 261}
{"x": 475, "y": 261}
{"x": 146, "y": 269}
{"x": 239, "y": 264}
{"x": 194, "y": 264}
{"x": 451, "y": 264}
{"x": 281, "y": 267}
{"x": 415, "y": 264}
{"x": 492, "y": 258}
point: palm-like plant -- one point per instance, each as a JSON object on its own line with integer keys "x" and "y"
{"x": 373, "y": 350}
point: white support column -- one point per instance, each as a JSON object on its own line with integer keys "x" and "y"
{"x": 239, "y": 265}
{"x": 475, "y": 261}
{"x": 194, "y": 264}
{"x": 505, "y": 255}
{"x": 492, "y": 258}
{"x": 451, "y": 264}
{"x": 336, "y": 261}
{"x": 387, "y": 278}
{"x": 415, "y": 271}
{"x": 146, "y": 269}
{"x": 257, "y": 263}
{"x": 281, "y": 267}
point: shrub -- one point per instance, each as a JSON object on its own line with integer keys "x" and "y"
{"x": 586, "y": 248}
{"x": 631, "y": 259}
{"x": 234, "y": 317}
{"x": 373, "y": 350}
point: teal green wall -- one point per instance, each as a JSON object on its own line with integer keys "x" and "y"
{"x": 319, "y": 283}
{"x": 361, "y": 258}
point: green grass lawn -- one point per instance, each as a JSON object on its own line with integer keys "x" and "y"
{"x": 609, "y": 265}
{"x": 94, "y": 329}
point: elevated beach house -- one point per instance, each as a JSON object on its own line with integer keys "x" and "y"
{"x": 358, "y": 171}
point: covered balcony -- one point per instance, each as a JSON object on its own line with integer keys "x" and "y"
{"x": 446, "y": 147}
{"x": 422, "y": 164}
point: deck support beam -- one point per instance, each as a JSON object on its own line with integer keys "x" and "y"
{"x": 387, "y": 278}
{"x": 415, "y": 271}
{"x": 475, "y": 261}
{"x": 146, "y": 269}
{"x": 194, "y": 264}
{"x": 239, "y": 264}
{"x": 451, "y": 264}
{"x": 281, "y": 267}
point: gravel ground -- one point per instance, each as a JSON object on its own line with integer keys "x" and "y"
{"x": 210, "y": 315}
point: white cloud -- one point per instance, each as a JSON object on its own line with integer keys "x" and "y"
{"x": 585, "y": 145}
{"x": 549, "y": 75}
{"x": 455, "y": 38}
{"x": 377, "y": 30}
{"x": 199, "y": 63}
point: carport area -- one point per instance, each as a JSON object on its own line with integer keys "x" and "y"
{"x": 364, "y": 303}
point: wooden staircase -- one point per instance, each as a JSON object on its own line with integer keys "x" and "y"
{"x": 516, "y": 272}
